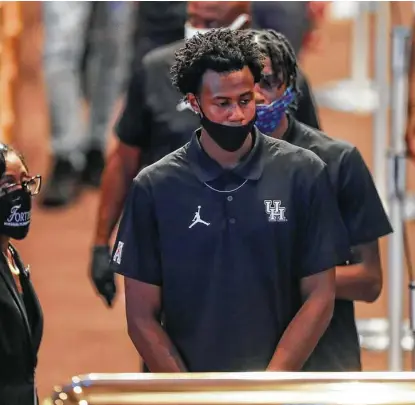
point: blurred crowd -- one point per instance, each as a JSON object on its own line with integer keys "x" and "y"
{"x": 92, "y": 49}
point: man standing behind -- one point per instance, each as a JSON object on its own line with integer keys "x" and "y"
{"x": 358, "y": 201}
{"x": 224, "y": 235}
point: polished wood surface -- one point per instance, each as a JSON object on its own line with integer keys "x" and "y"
{"x": 238, "y": 389}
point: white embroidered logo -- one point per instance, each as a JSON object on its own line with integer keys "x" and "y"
{"x": 276, "y": 213}
{"x": 197, "y": 220}
{"x": 17, "y": 218}
{"x": 118, "y": 253}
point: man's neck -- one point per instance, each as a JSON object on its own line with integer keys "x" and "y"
{"x": 224, "y": 158}
{"x": 281, "y": 129}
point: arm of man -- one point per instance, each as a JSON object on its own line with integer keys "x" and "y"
{"x": 321, "y": 244}
{"x": 132, "y": 131}
{"x": 305, "y": 330}
{"x": 363, "y": 281}
{"x": 137, "y": 257}
{"x": 143, "y": 307}
{"x": 122, "y": 165}
{"x": 366, "y": 221}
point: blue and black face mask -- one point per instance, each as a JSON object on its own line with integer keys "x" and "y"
{"x": 269, "y": 116}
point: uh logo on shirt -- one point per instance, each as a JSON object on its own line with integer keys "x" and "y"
{"x": 275, "y": 211}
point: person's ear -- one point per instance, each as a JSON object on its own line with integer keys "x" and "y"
{"x": 191, "y": 98}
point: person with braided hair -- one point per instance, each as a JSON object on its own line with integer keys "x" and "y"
{"x": 360, "y": 277}
{"x": 303, "y": 106}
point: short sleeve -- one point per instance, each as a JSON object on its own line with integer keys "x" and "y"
{"x": 359, "y": 202}
{"x": 136, "y": 250}
{"x": 306, "y": 110}
{"x": 323, "y": 239}
{"x": 133, "y": 126}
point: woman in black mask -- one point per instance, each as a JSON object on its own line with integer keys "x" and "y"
{"x": 21, "y": 320}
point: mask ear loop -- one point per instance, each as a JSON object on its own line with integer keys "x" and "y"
{"x": 199, "y": 104}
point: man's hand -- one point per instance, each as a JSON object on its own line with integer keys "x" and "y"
{"x": 102, "y": 275}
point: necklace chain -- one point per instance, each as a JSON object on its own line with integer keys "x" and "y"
{"x": 226, "y": 191}
{"x": 12, "y": 267}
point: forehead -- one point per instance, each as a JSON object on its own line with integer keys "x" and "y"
{"x": 211, "y": 10}
{"x": 204, "y": 8}
{"x": 228, "y": 84}
{"x": 267, "y": 66}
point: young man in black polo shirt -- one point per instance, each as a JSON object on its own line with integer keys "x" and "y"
{"x": 358, "y": 200}
{"x": 156, "y": 122}
{"x": 233, "y": 237}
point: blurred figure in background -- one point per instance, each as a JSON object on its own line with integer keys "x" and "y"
{"x": 21, "y": 318}
{"x": 78, "y": 148}
{"x": 157, "y": 24}
{"x": 288, "y": 17}
{"x": 297, "y": 20}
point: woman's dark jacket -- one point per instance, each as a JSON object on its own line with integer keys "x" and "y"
{"x": 21, "y": 329}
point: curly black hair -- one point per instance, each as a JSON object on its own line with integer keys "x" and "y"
{"x": 276, "y": 46}
{"x": 220, "y": 50}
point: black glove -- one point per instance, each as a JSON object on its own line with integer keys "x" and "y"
{"x": 101, "y": 273}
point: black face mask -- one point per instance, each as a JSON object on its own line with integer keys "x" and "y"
{"x": 15, "y": 210}
{"x": 227, "y": 137}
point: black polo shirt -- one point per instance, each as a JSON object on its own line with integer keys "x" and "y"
{"x": 366, "y": 221}
{"x": 163, "y": 23}
{"x": 229, "y": 247}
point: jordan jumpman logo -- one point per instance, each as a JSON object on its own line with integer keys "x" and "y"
{"x": 197, "y": 220}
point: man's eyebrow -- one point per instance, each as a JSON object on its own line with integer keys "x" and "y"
{"x": 222, "y": 97}
{"x": 247, "y": 93}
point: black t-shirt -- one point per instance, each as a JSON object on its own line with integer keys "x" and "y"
{"x": 365, "y": 219}
{"x": 161, "y": 19}
{"x": 224, "y": 246}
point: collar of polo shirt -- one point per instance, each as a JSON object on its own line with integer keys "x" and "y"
{"x": 288, "y": 134}
{"x": 207, "y": 169}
